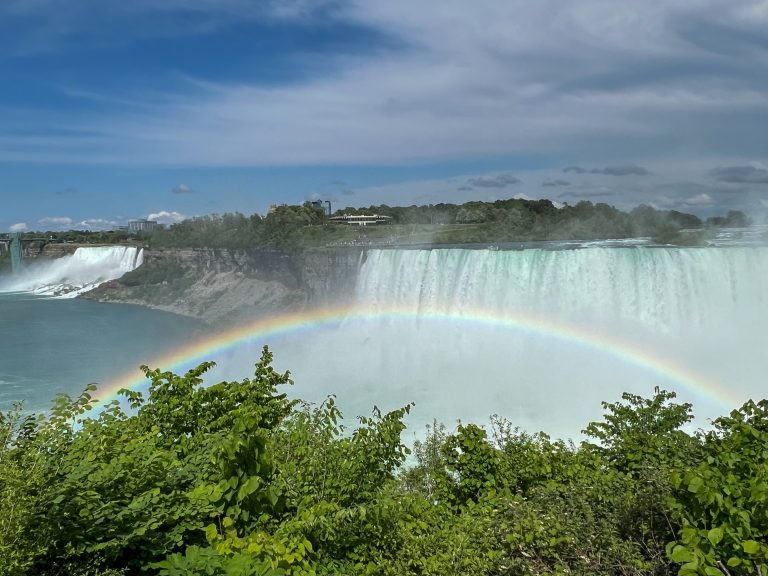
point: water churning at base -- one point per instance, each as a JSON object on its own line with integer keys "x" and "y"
{"x": 76, "y": 273}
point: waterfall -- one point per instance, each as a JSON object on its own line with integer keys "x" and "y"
{"x": 659, "y": 290}
{"x": 541, "y": 337}
{"x": 76, "y": 273}
{"x": 597, "y": 322}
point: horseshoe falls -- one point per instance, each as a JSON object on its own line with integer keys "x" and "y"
{"x": 655, "y": 290}
{"x": 542, "y": 336}
{"x": 538, "y": 336}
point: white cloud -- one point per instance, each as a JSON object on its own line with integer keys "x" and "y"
{"x": 470, "y": 79}
{"x": 19, "y": 227}
{"x": 702, "y": 199}
{"x": 166, "y": 217}
{"x": 61, "y": 221}
{"x": 97, "y": 223}
{"x": 181, "y": 189}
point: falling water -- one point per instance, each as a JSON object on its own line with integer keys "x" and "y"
{"x": 76, "y": 273}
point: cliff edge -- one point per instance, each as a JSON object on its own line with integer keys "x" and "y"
{"x": 225, "y": 286}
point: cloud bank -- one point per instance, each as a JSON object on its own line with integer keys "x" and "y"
{"x": 453, "y": 80}
{"x": 166, "y": 217}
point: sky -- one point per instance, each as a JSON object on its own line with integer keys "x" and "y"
{"x": 170, "y": 109}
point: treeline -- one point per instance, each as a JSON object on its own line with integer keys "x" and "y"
{"x": 283, "y": 228}
{"x": 299, "y": 227}
{"x": 77, "y": 237}
{"x": 238, "y": 479}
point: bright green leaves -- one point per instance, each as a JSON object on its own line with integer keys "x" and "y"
{"x": 695, "y": 484}
{"x": 715, "y": 536}
{"x": 723, "y": 500}
{"x": 642, "y": 432}
{"x": 126, "y": 489}
{"x": 680, "y": 554}
{"x": 751, "y": 547}
{"x": 236, "y": 479}
{"x": 479, "y": 467}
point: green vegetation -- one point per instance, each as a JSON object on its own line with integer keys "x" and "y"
{"x": 294, "y": 229}
{"x": 297, "y": 228}
{"x": 239, "y": 479}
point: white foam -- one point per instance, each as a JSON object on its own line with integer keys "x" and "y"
{"x": 71, "y": 275}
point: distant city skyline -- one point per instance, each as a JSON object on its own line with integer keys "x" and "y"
{"x": 171, "y": 109}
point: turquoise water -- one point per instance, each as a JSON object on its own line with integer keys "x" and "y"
{"x": 52, "y": 346}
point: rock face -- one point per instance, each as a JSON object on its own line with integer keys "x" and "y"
{"x": 49, "y": 251}
{"x": 224, "y": 287}
{"x": 329, "y": 275}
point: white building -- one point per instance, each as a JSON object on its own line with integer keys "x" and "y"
{"x": 141, "y": 225}
{"x": 361, "y": 219}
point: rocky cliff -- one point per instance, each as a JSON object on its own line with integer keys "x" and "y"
{"x": 223, "y": 286}
{"x": 36, "y": 249}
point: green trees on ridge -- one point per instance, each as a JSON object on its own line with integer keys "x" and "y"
{"x": 237, "y": 478}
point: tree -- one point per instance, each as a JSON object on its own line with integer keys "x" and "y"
{"x": 723, "y": 500}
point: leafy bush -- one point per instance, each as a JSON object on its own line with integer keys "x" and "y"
{"x": 238, "y": 479}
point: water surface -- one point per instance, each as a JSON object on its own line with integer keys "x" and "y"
{"x": 52, "y": 346}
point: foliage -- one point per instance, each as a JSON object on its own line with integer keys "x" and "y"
{"x": 722, "y": 499}
{"x": 236, "y": 478}
{"x": 643, "y": 432}
{"x": 294, "y": 229}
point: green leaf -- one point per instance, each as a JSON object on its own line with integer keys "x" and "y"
{"x": 249, "y": 487}
{"x": 681, "y": 554}
{"x": 695, "y": 484}
{"x": 715, "y": 536}
{"x": 751, "y": 547}
{"x": 211, "y": 533}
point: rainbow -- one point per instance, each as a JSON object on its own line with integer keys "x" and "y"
{"x": 261, "y": 331}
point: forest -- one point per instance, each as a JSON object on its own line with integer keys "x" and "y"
{"x": 240, "y": 478}
{"x": 293, "y": 228}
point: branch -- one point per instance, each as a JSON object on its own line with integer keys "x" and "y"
{"x": 725, "y": 570}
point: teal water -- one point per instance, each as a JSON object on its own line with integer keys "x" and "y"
{"x": 52, "y": 346}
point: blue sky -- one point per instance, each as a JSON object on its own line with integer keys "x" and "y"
{"x": 177, "y": 108}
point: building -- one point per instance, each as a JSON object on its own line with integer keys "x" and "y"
{"x": 361, "y": 219}
{"x": 135, "y": 226}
